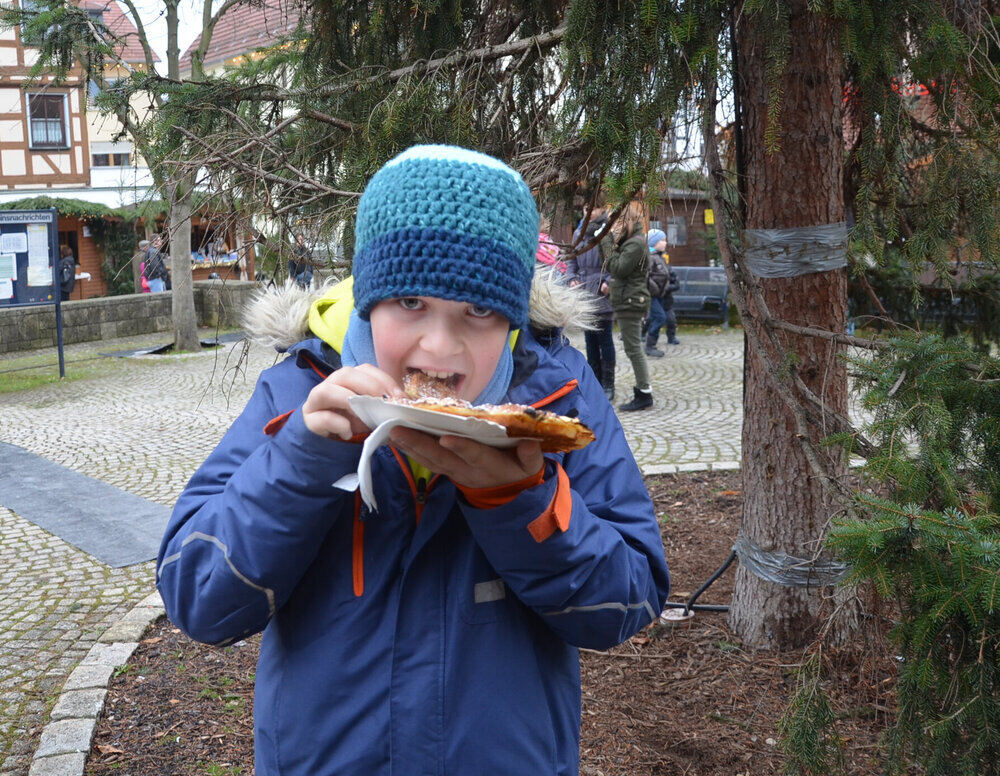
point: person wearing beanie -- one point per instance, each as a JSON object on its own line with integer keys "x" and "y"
{"x": 436, "y": 631}
{"x": 627, "y": 259}
{"x": 662, "y": 284}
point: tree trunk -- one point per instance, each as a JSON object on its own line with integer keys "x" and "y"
{"x": 137, "y": 260}
{"x": 185, "y": 319}
{"x": 800, "y": 184}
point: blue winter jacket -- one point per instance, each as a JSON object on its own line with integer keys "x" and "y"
{"x": 430, "y": 637}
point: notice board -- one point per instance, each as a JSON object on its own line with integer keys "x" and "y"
{"x": 29, "y": 257}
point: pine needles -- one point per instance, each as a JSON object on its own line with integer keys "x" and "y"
{"x": 930, "y": 545}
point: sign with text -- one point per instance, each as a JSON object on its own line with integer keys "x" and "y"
{"x": 29, "y": 257}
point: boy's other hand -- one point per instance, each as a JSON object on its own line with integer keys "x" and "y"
{"x": 326, "y": 411}
{"x": 469, "y": 463}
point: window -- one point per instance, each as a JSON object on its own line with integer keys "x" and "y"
{"x": 110, "y": 160}
{"x": 676, "y": 230}
{"x": 94, "y": 89}
{"x": 29, "y": 6}
{"x": 47, "y": 121}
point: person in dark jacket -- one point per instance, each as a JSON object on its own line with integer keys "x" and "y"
{"x": 662, "y": 283}
{"x": 587, "y": 270}
{"x": 656, "y": 282}
{"x": 67, "y": 272}
{"x": 433, "y": 625}
{"x": 626, "y": 256}
{"x": 300, "y": 266}
{"x": 156, "y": 268}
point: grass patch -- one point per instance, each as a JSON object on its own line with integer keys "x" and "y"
{"x": 30, "y": 372}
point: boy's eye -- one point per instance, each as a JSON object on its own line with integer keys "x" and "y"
{"x": 480, "y": 312}
{"x": 409, "y": 303}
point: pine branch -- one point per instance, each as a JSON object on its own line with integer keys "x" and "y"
{"x": 456, "y": 59}
{"x": 256, "y": 171}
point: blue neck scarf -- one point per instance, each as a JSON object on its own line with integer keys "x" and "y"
{"x": 359, "y": 348}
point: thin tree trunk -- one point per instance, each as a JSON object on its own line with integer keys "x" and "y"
{"x": 137, "y": 259}
{"x": 785, "y": 507}
{"x": 185, "y": 318}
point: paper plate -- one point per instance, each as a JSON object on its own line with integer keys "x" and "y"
{"x": 374, "y": 412}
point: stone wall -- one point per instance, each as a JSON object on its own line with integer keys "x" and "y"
{"x": 217, "y": 303}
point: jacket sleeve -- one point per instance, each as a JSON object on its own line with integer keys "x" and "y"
{"x": 249, "y": 523}
{"x": 675, "y": 284}
{"x": 572, "y": 271}
{"x": 600, "y": 577}
{"x": 625, "y": 260}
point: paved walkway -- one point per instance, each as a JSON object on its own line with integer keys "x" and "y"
{"x": 144, "y": 425}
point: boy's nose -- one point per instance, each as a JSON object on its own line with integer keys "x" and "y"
{"x": 438, "y": 339}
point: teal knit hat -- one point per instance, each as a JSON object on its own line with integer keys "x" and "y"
{"x": 450, "y": 223}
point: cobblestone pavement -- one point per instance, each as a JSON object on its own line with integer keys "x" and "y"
{"x": 145, "y": 425}
{"x": 697, "y": 400}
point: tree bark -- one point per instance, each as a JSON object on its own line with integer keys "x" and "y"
{"x": 800, "y": 184}
{"x": 182, "y": 296}
{"x": 185, "y": 318}
{"x": 137, "y": 259}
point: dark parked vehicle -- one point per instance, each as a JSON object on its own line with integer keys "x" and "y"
{"x": 703, "y": 294}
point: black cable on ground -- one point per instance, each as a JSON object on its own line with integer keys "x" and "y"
{"x": 691, "y": 606}
{"x": 696, "y": 607}
{"x": 707, "y": 584}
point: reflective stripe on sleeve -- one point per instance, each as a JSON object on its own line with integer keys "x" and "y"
{"x": 609, "y": 605}
{"x": 216, "y": 542}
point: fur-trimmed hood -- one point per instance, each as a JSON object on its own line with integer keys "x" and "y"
{"x": 278, "y": 316}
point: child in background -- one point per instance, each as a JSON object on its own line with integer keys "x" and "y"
{"x": 438, "y": 635}
{"x": 548, "y": 252}
{"x": 662, "y": 282}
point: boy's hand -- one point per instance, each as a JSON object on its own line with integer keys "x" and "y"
{"x": 467, "y": 462}
{"x": 326, "y": 411}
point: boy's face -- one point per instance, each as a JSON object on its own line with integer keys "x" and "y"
{"x": 455, "y": 341}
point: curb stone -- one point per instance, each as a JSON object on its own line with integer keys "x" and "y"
{"x": 65, "y": 741}
{"x": 685, "y": 468}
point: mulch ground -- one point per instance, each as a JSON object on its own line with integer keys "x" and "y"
{"x": 687, "y": 699}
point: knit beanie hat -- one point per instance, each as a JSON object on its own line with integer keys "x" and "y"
{"x": 450, "y": 223}
{"x": 654, "y": 236}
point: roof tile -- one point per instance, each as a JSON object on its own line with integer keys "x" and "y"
{"x": 121, "y": 27}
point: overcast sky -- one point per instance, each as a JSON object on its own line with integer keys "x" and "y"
{"x": 153, "y": 15}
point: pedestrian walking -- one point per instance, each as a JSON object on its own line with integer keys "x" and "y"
{"x": 156, "y": 269}
{"x": 67, "y": 272}
{"x": 588, "y": 270}
{"x": 626, "y": 255}
{"x": 440, "y": 633}
{"x": 300, "y": 266}
{"x": 662, "y": 283}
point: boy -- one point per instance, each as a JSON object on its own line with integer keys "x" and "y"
{"x": 438, "y": 635}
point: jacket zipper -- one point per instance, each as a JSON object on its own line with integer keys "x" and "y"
{"x": 358, "y": 549}
{"x": 420, "y": 490}
{"x": 420, "y": 497}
